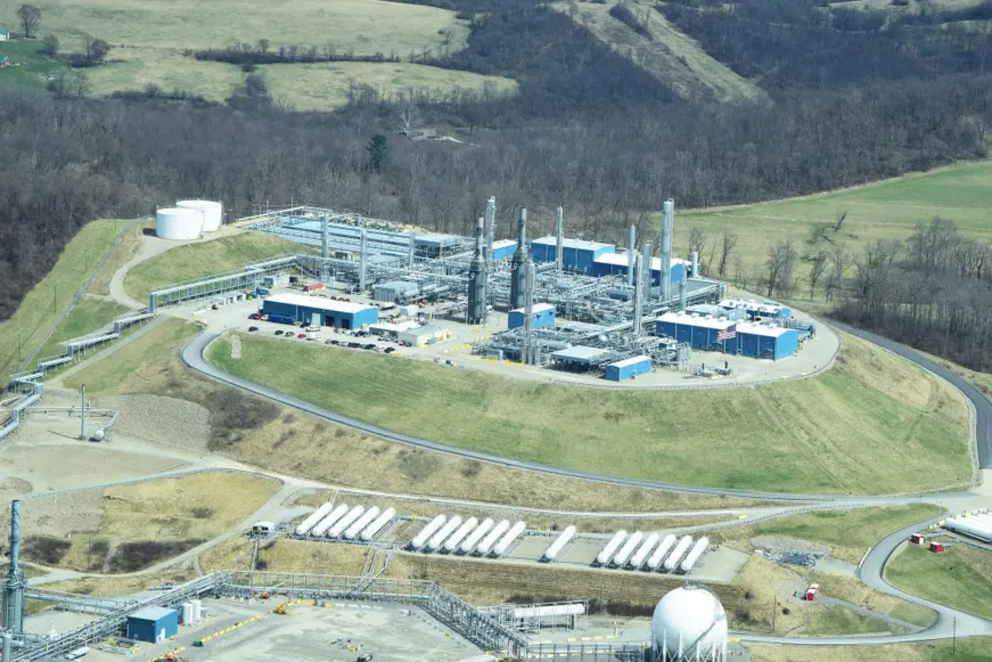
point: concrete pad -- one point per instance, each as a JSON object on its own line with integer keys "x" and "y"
{"x": 583, "y": 551}
{"x": 721, "y": 565}
{"x": 531, "y": 547}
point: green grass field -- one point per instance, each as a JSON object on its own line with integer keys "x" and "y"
{"x": 48, "y": 299}
{"x": 28, "y": 64}
{"x": 838, "y": 433}
{"x": 88, "y": 316}
{"x": 961, "y": 576}
{"x": 850, "y": 533}
{"x": 206, "y": 258}
{"x": 833, "y": 621}
{"x": 887, "y": 210}
{"x": 212, "y": 80}
{"x": 965, "y": 650}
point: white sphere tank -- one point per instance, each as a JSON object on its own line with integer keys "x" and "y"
{"x": 178, "y": 223}
{"x": 212, "y": 212}
{"x": 690, "y": 624}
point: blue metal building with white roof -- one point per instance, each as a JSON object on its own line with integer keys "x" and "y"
{"x": 760, "y": 341}
{"x": 153, "y": 624}
{"x": 616, "y": 264}
{"x": 577, "y": 255}
{"x": 320, "y": 311}
{"x": 628, "y": 368}
{"x": 544, "y": 316}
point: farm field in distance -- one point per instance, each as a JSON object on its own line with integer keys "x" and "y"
{"x": 837, "y": 437}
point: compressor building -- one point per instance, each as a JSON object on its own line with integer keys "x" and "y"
{"x": 321, "y": 312}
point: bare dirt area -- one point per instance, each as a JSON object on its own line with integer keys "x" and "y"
{"x": 161, "y": 420}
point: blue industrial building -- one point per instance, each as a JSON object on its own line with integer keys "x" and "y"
{"x": 577, "y": 256}
{"x": 321, "y": 312}
{"x": 628, "y": 368}
{"x": 758, "y": 309}
{"x": 616, "y": 264}
{"x": 502, "y": 249}
{"x": 544, "y": 315}
{"x": 753, "y": 340}
{"x": 153, "y": 624}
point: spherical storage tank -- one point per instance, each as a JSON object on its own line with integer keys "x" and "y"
{"x": 690, "y": 624}
{"x": 178, "y": 223}
{"x": 212, "y": 212}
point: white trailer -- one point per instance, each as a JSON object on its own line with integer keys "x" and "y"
{"x": 329, "y": 521}
{"x": 642, "y": 552}
{"x": 384, "y": 518}
{"x": 515, "y": 532}
{"x": 611, "y": 547}
{"x": 494, "y": 535}
{"x": 474, "y": 537}
{"x": 680, "y": 549}
{"x": 559, "y": 544}
{"x": 659, "y": 554}
{"x": 425, "y": 533}
{"x": 697, "y": 550}
{"x": 453, "y": 541}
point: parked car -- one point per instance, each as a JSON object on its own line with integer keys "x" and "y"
{"x": 255, "y": 316}
{"x": 302, "y": 335}
{"x": 330, "y": 342}
{"x": 279, "y": 332}
{"x": 389, "y": 350}
{"x": 371, "y": 345}
{"x": 355, "y": 345}
{"x": 252, "y": 329}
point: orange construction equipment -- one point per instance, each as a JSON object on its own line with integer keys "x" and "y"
{"x": 283, "y": 609}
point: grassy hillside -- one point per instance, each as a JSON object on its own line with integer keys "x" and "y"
{"x": 29, "y": 66}
{"x": 43, "y": 304}
{"x": 887, "y": 210}
{"x": 961, "y": 576}
{"x": 201, "y": 259}
{"x": 666, "y": 52}
{"x": 88, "y": 316}
{"x": 965, "y": 650}
{"x": 854, "y": 429}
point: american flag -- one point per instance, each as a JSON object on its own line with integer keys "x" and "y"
{"x": 727, "y": 334}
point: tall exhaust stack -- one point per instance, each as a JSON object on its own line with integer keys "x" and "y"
{"x": 667, "y": 222}
{"x": 490, "y": 232}
{"x": 362, "y": 265}
{"x": 477, "y": 274}
{"x": 411, "y": 250}
{"x": 325, "y": 231}
{"x": 529, "y": 313}
{"x": 631, "y": 255}
{"x": 645, "y": 272}
{"x": 559, "y": 239}
{"x": 13, "y": 594}
{"x": 638, "y": 297}
{"x": 682, "y": 294}
{"x": 518, "y": 272}
{"x": 695, "y": 264}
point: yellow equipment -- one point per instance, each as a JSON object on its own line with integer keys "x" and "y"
{"x": 283, "y": 609}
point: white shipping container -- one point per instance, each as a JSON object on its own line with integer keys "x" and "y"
{"x": 559, "y": 544}
{"x": 620, "y": 560}
{"x": 611, "y": 547}
{"x": 504, "y": 544}
{"x": 384, "y": 518}
{"x": 329, "y": 521}
{"x": 359, "y": 524}
{"x": 642, "y": 552}
{"x": 659, "y": 554}
{"x": 494, "y": 535}
{"x": 680, "y": 549}
{"x": 452, "y": 542}
{"x": 346, "y": 521}
{"x": 443, "y": 533}
{"x": 311, "y": 520}
{"x": 425, "y": 533}
{"x": 474, "y": 537}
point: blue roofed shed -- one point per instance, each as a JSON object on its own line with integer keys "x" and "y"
{"x": 153, "y": 624}
{"x": 544, "y": 316}
{"x": 628, "y": 368}
{"x": 320, "y": 311}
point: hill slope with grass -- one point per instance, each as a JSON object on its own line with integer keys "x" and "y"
{"x": 873, "y": 424}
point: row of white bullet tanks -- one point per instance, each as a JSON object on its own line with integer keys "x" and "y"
{"x": 651, "y": 552}
{"x": 976, "y": 524}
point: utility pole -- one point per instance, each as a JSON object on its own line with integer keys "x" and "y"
{"x": 82, "y": 412}
{"x": 774, "y": 613}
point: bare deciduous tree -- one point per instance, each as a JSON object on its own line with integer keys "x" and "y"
{"x": 840, "y": 221}
{"x": 30, "y": 17}
{"x": 816, "y": 271}
{"x": 726, "y": 249}
{"x": 780, "y": 265}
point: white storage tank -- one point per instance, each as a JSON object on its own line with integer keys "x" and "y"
{"x": 689, "y": 624}
{"x": 197, "y": 610}
{"x": 187, "y": 613}
{"x": 213, "y": 212}
{"x": 179, "y": 224}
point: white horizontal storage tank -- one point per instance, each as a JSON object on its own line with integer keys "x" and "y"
{"x": 494, "y": 535}
{"x": 359, "y": 524}
{"x": 384, "y": 518}
{"x": 559, "y": 544}
{"x": 511, "y": 535}
{"x": 346, "y": 521}
{"x": 212, "y": 212}
{"x": 321, "y": 528}
{"x": 680, "y": 549}
{"x": 659, "y": 554}
{"x": 697, "y": 550}
{"x": 311, "y": 520}
{"x": 575, "y": 609}
{"x": 443, "y": 533}
{"x": 976, "y": 527}
{"x": 425, "y": 533}
{"x": 474, "y": 537}
{"x": 455, "y": 538}
{"x": 611, "y": 547}
{"x": 620, "y": 560}
{"x": 642, "y": 552}
{"x": 178, "y": 223}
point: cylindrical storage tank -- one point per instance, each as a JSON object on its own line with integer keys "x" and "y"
{"x": 443, "y": 533}
{"x": 213, "y": 212}
{"x": 642, "y": 552}
{"x": 452, "y": 542}
{"x": 690, "y": 624}
{"x": 330, "y": 520}
{"x": 474, "y": 537}
{"x": 611, "y": 547}
{"x": 620, "y": 560}
{"x": 680, "y": 550}
{"x": 382, "y": 520}
{"x": 187, "y": 613}
{"x": 504, "y": 544}
{"x": 197, "y": 610}
{"x": 659, "y": 554}
{"x": 342, "y": 524}
{"x": 559, "y": 544}
{"x": 359, "y": 524}
{"x": 311, "y": 520}
{"x": 178, "y": 224}
{"x": 697, "y": 550}
{"x": 494, "y": 535}
{"x": 425, "y": 534}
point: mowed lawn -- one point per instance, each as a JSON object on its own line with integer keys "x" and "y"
{"x": 961, "y": 576}
{"x": 844, "y": 432}
{"x": 87, "y": 316}
{"x": 887, "y": 210}
{"x": 363, "y": 26}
